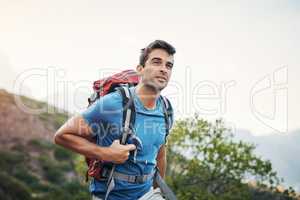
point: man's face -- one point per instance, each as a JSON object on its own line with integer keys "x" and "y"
{"x": 157, "y": 70}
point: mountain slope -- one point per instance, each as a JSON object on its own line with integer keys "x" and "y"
{"x": 31, "y": 166}
{"x": 19, "y": 126}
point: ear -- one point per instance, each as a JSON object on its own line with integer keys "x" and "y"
{"x": 139, "y": 69}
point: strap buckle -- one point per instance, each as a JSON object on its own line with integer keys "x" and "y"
{"x": 140, "y": 179}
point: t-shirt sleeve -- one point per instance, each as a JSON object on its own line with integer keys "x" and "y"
{"x": 106, "y": 109}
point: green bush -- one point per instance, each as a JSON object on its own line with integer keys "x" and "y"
{"x": 57, "y": 193}
{"x": 56, "y": 119}
{"x": 13, "y": 189}
{"x": 52, "y": 172}
{"x": 19, "y": 148}
{"x": 217, "y": 165}
{"x": 10, "y": 159}
{"x": 41, "y": 144}
{"x": 77, "y": 190}
{"x": 62, "y": 153}
{"x": 23, "y": 174}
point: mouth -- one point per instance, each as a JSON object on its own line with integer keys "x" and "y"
{"x": 162, "y": 78}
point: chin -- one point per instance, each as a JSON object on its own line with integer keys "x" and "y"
{"x": 155, "y": 86}
{"x": 160, "y": 86}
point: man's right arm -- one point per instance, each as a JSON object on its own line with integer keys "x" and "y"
{"x": 76, "y": 135}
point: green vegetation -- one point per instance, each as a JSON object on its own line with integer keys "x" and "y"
{"x": 41, "y": 145}
{"x": 48, "y": 175}
{"x": 55, "y": 119}
{"x": 214, "y": 167}
{"x": 62, "y": 154}
{"x": 204, "y": 163}
{"x": 51, "y": 115}
{"x": 217, "y": 167}
{"x": 13, "y": 189}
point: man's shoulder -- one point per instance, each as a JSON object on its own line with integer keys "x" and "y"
{"x": 111, "y": 101}
{"x": 115, "y": 95}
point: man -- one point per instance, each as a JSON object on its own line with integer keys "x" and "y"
{"x": 104, "y": 118}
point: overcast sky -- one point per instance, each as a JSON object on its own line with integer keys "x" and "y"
{"x": 235, "y": 59}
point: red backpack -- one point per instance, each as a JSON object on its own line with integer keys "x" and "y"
{"x": 109, "y": 84}
{"x": 121, "y": 82}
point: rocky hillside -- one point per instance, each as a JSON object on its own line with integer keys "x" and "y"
{"x": 17, "y": 125}
{"x": 31, "y": 166}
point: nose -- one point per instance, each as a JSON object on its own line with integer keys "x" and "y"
{"x": 164, "y": 69}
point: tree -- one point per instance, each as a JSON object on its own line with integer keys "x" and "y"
{"x": 205, "y": 162}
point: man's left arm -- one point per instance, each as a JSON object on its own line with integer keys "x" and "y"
{"x": 161, "y": 160}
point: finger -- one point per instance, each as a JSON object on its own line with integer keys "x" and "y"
{"x": 130, "y": 147}
{"x": 116, "y": 141}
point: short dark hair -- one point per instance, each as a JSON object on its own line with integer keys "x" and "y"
{"x": 157, "y": 44}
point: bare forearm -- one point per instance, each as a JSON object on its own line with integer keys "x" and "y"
{"x": 76, "y": 136}
{"x": 80, "y": 145}
{"x": 161, "y": 163}
{"x": 162, "y": 166}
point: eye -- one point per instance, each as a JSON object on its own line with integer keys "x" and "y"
{"x": 169, "y": 66}
{"x": 156, "y": 62}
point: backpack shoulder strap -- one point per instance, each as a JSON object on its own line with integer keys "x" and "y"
{"x": 127, "y": 125}
{"x": 168, "y": 113}
{"x": 128, "y": 113}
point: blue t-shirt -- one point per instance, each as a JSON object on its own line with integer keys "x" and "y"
{"x": 105, "y": 119}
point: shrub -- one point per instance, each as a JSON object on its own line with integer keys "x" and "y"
{"x": 62, "y": 154}
{"x": 13, "y": 189}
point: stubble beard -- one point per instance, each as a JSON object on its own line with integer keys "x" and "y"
{"x": 151, "y": 85}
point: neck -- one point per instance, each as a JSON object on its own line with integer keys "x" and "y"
{"x": 147, "y": 95}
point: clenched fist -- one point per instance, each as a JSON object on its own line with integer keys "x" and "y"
{"x": 118, "y": 153}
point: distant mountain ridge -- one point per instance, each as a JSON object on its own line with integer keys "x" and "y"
{"x": 281, "y": 149}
